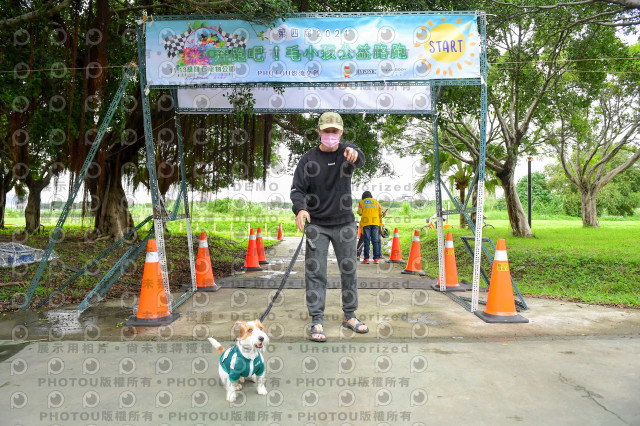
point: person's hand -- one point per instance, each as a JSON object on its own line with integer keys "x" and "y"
{"x": 351, "y": 154}
{"x": 302, "y": 215}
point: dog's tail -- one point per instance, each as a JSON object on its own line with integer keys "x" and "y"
{"x": 216, "y": 345}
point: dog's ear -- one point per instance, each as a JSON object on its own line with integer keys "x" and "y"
{"x": 240, "y": 327}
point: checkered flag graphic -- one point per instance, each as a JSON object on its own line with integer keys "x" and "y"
{"x": 233, "y": 40}
{"x": 174, "y": 44}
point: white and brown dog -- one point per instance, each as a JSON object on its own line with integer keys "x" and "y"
{"x": 244, "y": 360}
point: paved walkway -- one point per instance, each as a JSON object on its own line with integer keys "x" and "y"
{"x": 425, "y": 361}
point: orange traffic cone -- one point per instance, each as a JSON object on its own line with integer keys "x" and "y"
{"x": 251, "y": 262}
{"x": 260, "y": 246}
{"x": 414, "y": 265}
{"x": 450, "y": 269}
{"x": 500, "y": 304}
{"x": 396, "y": 254}
{"x": 280, "y": 237}
{"x": 204, "y": 271}
{"x": 152, "y": 307}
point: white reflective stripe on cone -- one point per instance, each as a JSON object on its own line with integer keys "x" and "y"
{"x": 501, "y": 255}
{"x": 395, "y": 234}
{"x": 416, "y": 238}
{"x": 448, "y": 244}
{"x": 203, "y": 243}
{"x": 152, "y": 257}
{"x": 252, "y": 237}
{"x": 259, "y": 235}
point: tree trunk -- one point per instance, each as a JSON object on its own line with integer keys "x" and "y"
{"x": 32, "y": 212}
{"x": 5, "y": 186}
{"x": 589, "y": 211}
{"x": 3, "y": 203}
{"x": 111, "y": 212}
{"x": 517, "y": 217}
{"x": 463, "y": 221}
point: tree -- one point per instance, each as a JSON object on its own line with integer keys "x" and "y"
{"x": 531, "y": 58}
{"x": 621, "y": 197}
{"x": 31, "y": 109}
{"x": 588, "y": 140}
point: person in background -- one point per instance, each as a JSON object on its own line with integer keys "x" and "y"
{"x": 370, "y": 212}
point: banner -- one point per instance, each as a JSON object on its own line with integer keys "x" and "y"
{"x": 311, "y": 50}
{"x": 400, "y": 99}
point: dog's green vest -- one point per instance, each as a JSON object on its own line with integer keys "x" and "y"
{"x": 236, "y": 365}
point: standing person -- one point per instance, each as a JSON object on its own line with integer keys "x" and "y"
{"x": 371, "y": 220}
{"x": 321, "y": 195}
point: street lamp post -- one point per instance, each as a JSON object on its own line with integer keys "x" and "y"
{"x": 529, "y": 192}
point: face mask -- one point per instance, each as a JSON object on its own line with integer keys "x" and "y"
{"x": 330, "y": 140}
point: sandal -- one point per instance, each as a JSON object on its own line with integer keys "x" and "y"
{"x": 346, "y": 324}
{"x": 316, "y": 339}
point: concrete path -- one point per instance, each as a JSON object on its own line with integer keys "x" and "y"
{"x": 538, "y": 382}
{"x": 425, "y": 361}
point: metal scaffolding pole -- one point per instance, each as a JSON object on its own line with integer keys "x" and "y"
{"x": 481, "y": 160}
{"x": 158, "y": 211}
{"x": 128, "y": 74}
{"x": 436, "y": 166}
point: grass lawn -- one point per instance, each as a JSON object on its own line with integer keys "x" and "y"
{"x": 563, "y": 260}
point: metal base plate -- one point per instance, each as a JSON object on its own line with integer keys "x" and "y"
{"x": 500, "y": 319}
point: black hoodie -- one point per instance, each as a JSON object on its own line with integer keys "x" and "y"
{"x": 322, "y": 185}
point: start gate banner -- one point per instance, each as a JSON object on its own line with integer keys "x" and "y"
{"x": 312, "y": 49}
{"x": 397, "y": 99}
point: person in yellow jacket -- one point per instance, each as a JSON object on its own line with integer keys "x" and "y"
{"x": 370, "y": 212}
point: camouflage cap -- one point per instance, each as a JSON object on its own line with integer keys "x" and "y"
{"x": 330, "y": 119}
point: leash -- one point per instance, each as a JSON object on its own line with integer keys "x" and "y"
{"x": 312, "y": 246}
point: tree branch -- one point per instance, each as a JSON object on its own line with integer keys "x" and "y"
{"x": 30, "y": 16}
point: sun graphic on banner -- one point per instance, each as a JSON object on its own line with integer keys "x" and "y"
{"x": 447, "y": 43}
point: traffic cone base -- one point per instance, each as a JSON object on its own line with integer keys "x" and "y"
{"x": 152, "y": 322}
{"x": 252, "y": 268}
{"x": 500, "y": 307}
{"x": 211, "y": 288}
{"x": 451, "y": 287}
{"x": 503, "y": 318}
{"x": 153, "y": 309}
{"x": 395, "y": 261}
{"x": 420, "y": 272}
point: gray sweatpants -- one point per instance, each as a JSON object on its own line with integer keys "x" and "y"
{"x": 343, "y": 238}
